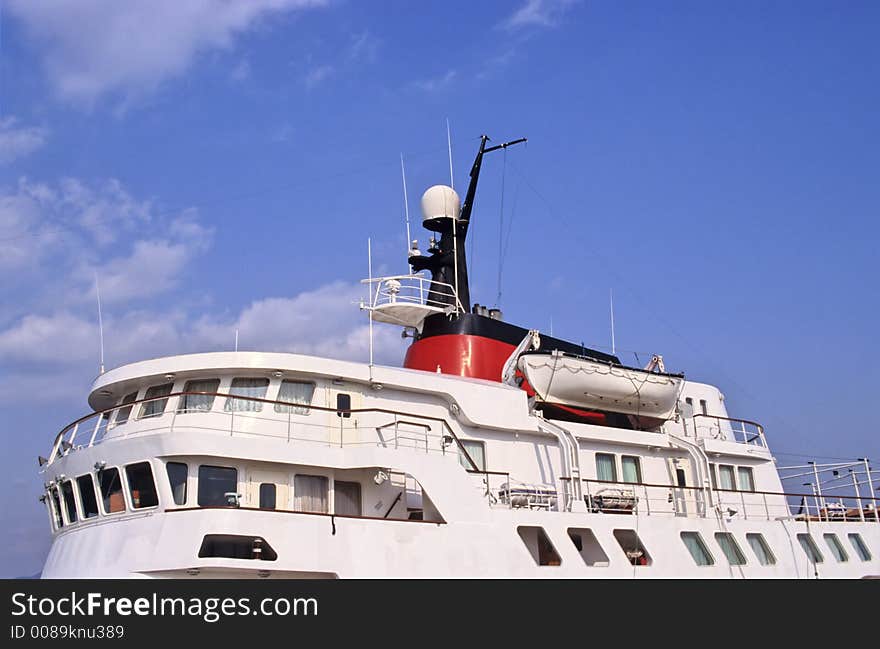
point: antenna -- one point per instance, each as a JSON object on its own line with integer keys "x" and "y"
{"x": 236, "y": 339}
{"x": 611, "y": 300}
{"x": 449, "y": 146}
{"x": 370, "y": 284}
{"x": 100, "y": 321}
{"x": 405, "y": 206}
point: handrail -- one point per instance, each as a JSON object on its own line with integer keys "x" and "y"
{"x": 132, "y": 404}
{"x": 719, "y": 418}
{"x": 423, "y": 293}
{"x": 293, "y": 511}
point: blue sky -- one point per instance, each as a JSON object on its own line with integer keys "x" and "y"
{"x": 220, "y": 165}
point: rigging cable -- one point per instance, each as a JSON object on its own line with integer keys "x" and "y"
{"x": 501, "y": 227}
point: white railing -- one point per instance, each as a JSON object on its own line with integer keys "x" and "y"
{"x": 412, "y": 290}
{"x": 742, "y": 431}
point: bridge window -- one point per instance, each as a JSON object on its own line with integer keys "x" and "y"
{"x": 730, "y": 548}
{"x": 836, "y": 547}
{"x": 713, "y": 476}
{"x": 761, "y": 549}
{"x": 231, "y": 546}
{"x": 111, "y": 491}
{"x": 299, "y": 393}
{"x": 198, "y": 402}
{"x": 214, "y": 483}
{"x": 700, "y": 553}
{"x": 704, "y": 407}
{"x": 746, "y": 478}
{"x": 606, "y": 467}
{"x": 267, "y": 495}
{"x": 859, "y": 546}
{"x": 810, "y": 549}
{"x": 69, "y": 500}
{"x": 632, "y": 547}
{"x": 343, "y": 405}
{"x": 310, "y": 493}
{"x": 141, "y": 486}
{"x": 56, "y": 508}
{"x": 124, "y": 412}
{"x": 246, "y": 387}
{"x": 726, "y": 479}
{"x": 539, "y": 545}
{"x": 177, "y": 476}
{"x": 87, "y": 495}
{"x": 477, "y": 451}
{"x": 156, "y": 407}
{"x": 588, "y": 546}
{"x": 632, "y": 468}
{"x": 347, "y": 498}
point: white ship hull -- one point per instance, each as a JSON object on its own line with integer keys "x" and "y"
{"x": 590, "y": 384}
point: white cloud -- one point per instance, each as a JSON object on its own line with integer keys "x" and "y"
{"x": 537, "y": 13}
{"x": 18, "y": 141}
{"x": 436, "y": 84}
{"x": 318, "y": 74}
{"x": 364, "y": 47}
{"x": 92, "y": 48}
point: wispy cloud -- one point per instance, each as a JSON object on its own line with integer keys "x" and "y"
{"x": 537, "y": 13}
{"x": 91, "y": 49}
{"x": 317, "y": 74}
{"x": 364, "y": 47}
{"x": 240, "y": 71}
{"x": 436, "y": 84}
{"x": 18, "y": 141}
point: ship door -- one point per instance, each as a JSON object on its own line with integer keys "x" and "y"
{"x": 343, "y": 423}
{"x": 268, "y": 489}
{"x": 682, "y": 496}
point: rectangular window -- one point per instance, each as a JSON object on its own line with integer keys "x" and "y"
{"x": 347, "y": 498}
{"x": 343, "y": 405}
{"x": 810, "y": 548}
{"x": 124, "y": 412}
{"x": 56, "y": 509}
{"x": 730, "y": 548}
{"x": 477, "y": 451}
{"x": 761, "y": 549}
{"x": 267, "y": 495}
{"x": 111, "y": 491}
{"x": 252, "y": 388}
{"x": 632, "y": 469}
{"x": 310, "y": 493}
{"x": 214, "y": 483}
{"x": 726, "y": 479}
{"x": 141, "y": 486}
{"x": 198, "y": 402}
{"x": 295, "y": 392}
{"x": 157, "y": 407}
{"x": 836, "y": 547}
{"x": 704, "y": 407}
{"x": 606, "y": 467}
{"x": 713, "y": 476}
{"x": 177, "y": 475}
{"x": 859, "y": 546}
{"x": 746, "y": 478}
{"x": 69, "y": 500}
{"x": 680, "y": 478}
{"x": 700, "y": 553}
{"x": 87, "y": 496}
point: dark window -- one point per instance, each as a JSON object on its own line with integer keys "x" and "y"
{"x": 141, "y": 486}
{"x": 680, "y": 478}
{"x": 632, "y": 547}
{"x": 124, "y": 412}
{"x": 347, "y": 498}
{"x": 87, "y": 496}
{"x": 229, "y": 546}
{"x": 111, "y": 491}
{"x": 156, "y": 407}
{"x": 214, "y": 483}
{"x": 267, "y": 496}
{"x": 860, "y": 547}
{"x": 69, "y": 500}
{"x": 588, "y": 546}
{"x": 56, "y": 509}
{"x": 343, "y": 405}
{"x": 704, "y": 406}
{"x": 539, "y": 545}
{"x": 177, "y": 474}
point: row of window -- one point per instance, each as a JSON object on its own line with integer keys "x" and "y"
{"x": 732, "y": 478}
{"x": 544, "y": 553}
{"x": 103, "y": 492}
{"x": 296, "y": 393}
{"x": 606, "y": 468}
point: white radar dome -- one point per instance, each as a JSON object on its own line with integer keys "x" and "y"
{"x": 440, "y": 207}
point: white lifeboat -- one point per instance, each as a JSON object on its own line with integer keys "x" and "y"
{"x": 586, "y": 383}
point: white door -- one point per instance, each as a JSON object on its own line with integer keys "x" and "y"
{"x": 268, "y": 489}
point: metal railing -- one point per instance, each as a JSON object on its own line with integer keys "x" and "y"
{"x": 410, "y": 289}
{"x": 393, "y": 429}
{"x": 742, "y": 431}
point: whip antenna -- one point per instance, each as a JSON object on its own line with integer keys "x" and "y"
{"x": 100, "y": 321}
{"x": 405, "y": 204}
{"x": 449, "y": 146}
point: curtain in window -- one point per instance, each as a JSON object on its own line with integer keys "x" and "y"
{"x": 347, "y": 498}
{"x": 157, "y": 407}
{"x": 255, "y": 388}
{"x": 605, "y": 467}
{"x": 730, "y": 548}
{"x": 810, "y": 548}
{"x": 631, "y": 470}
{"x": 298, "y": 392}
{"x": 477, "y": 451}
{"x": 310, "y": 493}
{"x": 197, "y": 402}
{"x": 725, "y": 477}
{"x": 696, "y": 548}
{"x": 836, "y": 548}
{"x": 746, "y": 478}
{"x": 759, "y": 546}
{"x": 123, "y": 413}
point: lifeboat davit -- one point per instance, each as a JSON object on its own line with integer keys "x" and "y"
{"x": 561, "y": 378}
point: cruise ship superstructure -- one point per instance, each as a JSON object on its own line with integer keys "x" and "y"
{"x": 496, "y": 451}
